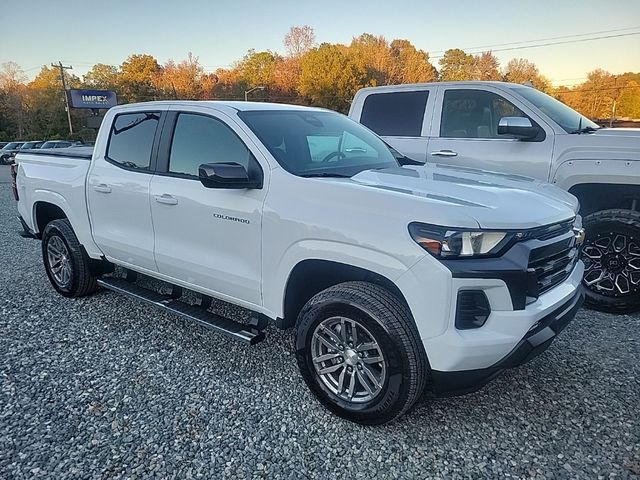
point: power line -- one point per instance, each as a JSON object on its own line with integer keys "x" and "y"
{"x": 546, "y": 39}
{"x": 551, "y": 43}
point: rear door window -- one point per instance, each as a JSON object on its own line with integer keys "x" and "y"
{"x": 131, "y": 139}
{"x": 398, "y": 114}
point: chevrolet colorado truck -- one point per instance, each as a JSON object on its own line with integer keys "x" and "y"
{"x": 516, "y": 129}
{"x": 397, "y": 277}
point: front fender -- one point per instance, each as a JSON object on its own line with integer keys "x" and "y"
{"x": 576, "y": 172}
{"x": 374, "y": 261}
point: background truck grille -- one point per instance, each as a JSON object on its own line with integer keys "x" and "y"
{"x": 554, "y": 262}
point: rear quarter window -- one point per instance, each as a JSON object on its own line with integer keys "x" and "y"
{"x": 398, "y": 114}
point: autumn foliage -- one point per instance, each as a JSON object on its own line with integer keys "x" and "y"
{"x": 325, "y": 74}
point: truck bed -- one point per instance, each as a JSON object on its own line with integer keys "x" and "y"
{"x": 55, "y": 176}
{"x": 71, "y": 152}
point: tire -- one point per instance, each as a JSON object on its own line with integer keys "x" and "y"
{"x": 71, "y": 276}
{"x": 379, "y": 317}
{"x": 611, "y": 254}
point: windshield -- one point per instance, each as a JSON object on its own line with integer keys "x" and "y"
{"x": 11, "y": 146}
{"x": 570, "y": 120}
{"x": 308, "y": 143}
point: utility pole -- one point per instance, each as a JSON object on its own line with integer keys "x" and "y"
{"x": 64, "y": 89}
{"x": 616, "y": 92}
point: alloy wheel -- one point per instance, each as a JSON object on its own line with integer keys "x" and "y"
{"x": 59, "y": 261}
{"x": 612, "y": 264}
{"x": 348, "y": 359}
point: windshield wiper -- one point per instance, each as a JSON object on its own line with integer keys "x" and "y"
{"x": 584, "y": 130}
{"x": 325, "y": 174}
{"x": 580, "y": 130}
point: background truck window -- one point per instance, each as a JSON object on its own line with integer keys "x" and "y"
{"x": 398, "y": 114}
{"x": 474, "y": 114}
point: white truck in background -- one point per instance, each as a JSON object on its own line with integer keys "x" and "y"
{"x": 517, "y": 130}
{"x": 396, "y": 278}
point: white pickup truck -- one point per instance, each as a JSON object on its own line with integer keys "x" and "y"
{"x": 516, "y": 129}
{"x": 397, "y": 278}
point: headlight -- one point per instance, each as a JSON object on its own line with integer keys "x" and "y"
{"x": 446, "y": 242}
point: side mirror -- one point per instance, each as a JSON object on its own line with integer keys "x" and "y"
{"x": 226, "y": 175}
{"x": 519, "y": 127}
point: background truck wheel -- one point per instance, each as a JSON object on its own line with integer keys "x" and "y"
{"x": 66, "y": 263}
{"x": 359, "y": 352}
{"x": 611, "y": 256}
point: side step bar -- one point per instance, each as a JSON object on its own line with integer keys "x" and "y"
{"x": 249, "y": 334}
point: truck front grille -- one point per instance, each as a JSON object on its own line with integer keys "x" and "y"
{"x": 554, "y": 262}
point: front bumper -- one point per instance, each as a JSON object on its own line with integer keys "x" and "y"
{"x": 536, "y": 341}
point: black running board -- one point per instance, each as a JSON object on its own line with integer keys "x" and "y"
{"x": 236, "y": 330}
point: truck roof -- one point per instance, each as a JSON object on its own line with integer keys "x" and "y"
{"x": 220, "y": 104}
{"x": 412, "y": 86}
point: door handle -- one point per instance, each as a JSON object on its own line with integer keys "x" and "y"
{"x": 355, "y": 149}
{"x": 444, "y": 153}
{"x": 102, "y": 188}
{"x": 166, "y": 199}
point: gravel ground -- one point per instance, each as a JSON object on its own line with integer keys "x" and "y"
{"x": 103, "y": 387}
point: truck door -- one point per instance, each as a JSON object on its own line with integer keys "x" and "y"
{"x": 207, "y": 238}
{"x": 465, "y": 133}
{"x": 118, "y": 190}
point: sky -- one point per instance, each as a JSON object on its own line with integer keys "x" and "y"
{"x": 81, "y": 33}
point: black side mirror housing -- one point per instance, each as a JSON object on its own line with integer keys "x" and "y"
{"x": 518, "y": 127}
{"x": 226, "y": 175}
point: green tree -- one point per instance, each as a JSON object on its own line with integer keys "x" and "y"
{"x": 410, "y": 65}
{"x": 373, "y": 55}
{"x": 139, "y": 75}
{"x": 101, "y": 76}
{"x": 629, "y": 100}
{"x": 257, "y": 69}
{"x": 456, "y": 65}
{"x": 46, "y": 106}
{"x": 330, "y": 77}
{"x": 520, "y": 70}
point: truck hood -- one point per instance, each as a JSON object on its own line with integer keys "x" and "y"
{"x": 496, "y": 201}
{"x": 618, "y": 132}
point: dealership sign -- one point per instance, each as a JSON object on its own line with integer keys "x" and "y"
{"x": 92, "y": 98}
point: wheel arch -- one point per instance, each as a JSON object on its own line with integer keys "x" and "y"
{"x": 311, "y": 276}
{"x": 47, "y": 206}
{"x": 45, "y": 212}
{"x": 598, "y": 196}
